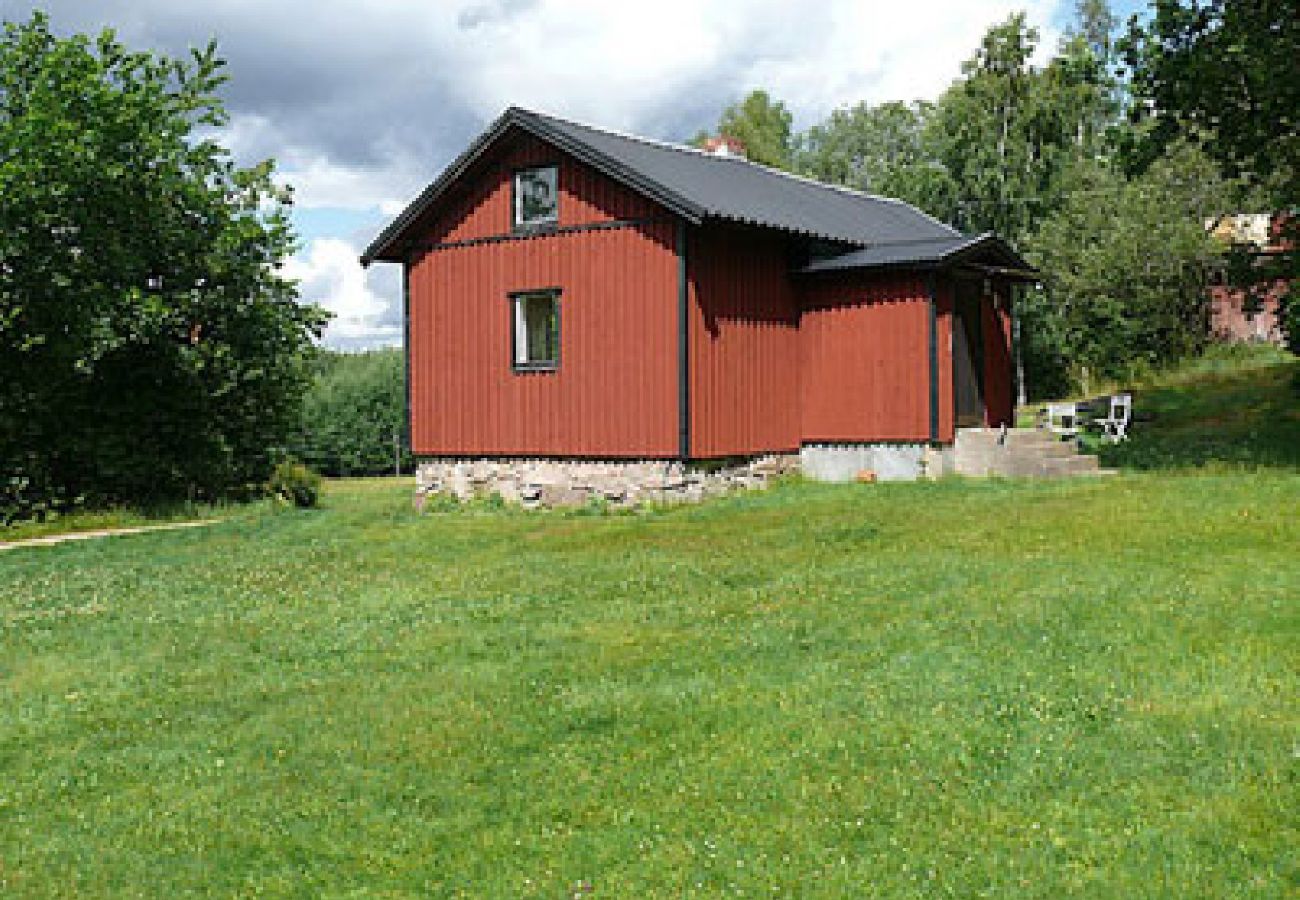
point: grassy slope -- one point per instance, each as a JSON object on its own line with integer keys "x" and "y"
{"x": 1237, "y": 406}
{"x": 953, "y": 688}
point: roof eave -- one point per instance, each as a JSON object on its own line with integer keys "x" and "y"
{"x": 988, "y": 241}
{"x": 950, "y": 258}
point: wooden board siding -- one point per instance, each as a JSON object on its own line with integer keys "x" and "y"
{"x": 484, "y": 209}
{"x": 615, "y": 392}
{"x": 865, "y": 359}
{"x": 999, "y": 403}
{"x": 943, "y": 294}
{"x": 744, "y": 343}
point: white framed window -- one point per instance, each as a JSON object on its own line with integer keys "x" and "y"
{"x": 537, "y": 197}
{"x": 536, "y": 334}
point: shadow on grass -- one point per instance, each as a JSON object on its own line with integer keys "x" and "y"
{"x": 1236, "y": 407}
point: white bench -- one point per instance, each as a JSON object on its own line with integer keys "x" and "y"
{"x": 1114, "y": 427}
{"x": 1063, "y": 419}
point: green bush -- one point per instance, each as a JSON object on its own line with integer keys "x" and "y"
{"x": 294, "y": 483}
{"x": 353, "y": 417}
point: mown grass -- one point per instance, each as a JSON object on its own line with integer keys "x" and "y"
{"x": 1238, "y": 406}
{"x": 949, "y": 689}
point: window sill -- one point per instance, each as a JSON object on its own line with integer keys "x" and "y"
{"x": 527, "y": 368}
{"x": 535, "y": 228}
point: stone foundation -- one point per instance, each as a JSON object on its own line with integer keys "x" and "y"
{"x": 619, "y": 483}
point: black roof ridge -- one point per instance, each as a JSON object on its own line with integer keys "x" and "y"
{"x": 772, "y": 170}
{"x": 956, "y": 236}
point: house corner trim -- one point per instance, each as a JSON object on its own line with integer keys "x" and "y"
{"x": 933, "y": 341}
{"x": 406, "y": 351}
{"x": 683, "y": 346}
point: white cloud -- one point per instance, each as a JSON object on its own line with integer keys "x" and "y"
{"x": 320, "y": 182}
{"x": 620, "y": 63}
{"x": 330, "y": 275}
{"x": 362, "y": 104}
{"x": 366, "y": 117}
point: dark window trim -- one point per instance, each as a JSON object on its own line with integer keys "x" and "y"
{"x": 526, "y": 367}
{"x": 516, "y": 227}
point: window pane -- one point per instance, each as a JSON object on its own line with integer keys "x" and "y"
{"x": 521, "y": 331}
{"x": 537, "y": 329}
{"x": 536, "y": 196}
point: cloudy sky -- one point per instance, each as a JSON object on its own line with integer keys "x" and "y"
{"x": 363, "y": 102}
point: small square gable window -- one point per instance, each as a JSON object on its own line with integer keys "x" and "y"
{"x": 536, "y": 330}
{"x": 537, "y": 197}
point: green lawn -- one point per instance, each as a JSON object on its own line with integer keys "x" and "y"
{"x": 949, "y": 689}
{"x": 1235, "y": 407}
{"x": 1238, "y": 406}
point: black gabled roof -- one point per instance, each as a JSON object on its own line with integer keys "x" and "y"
{"x": 986, "y": 248}
{"x": 695, "y": 185}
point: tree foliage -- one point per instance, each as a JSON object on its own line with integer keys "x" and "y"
{"x": 1225, "y": 74}
{"x": 149, "y": 347}
{"x": 763, "y": 125}
{"x": 354, "y": 416}
{"x": 1126, "y": 265}
{"x": 1036, "y": 152}
{"x": 990, "y": 154}
{"x": 881, "y": 150}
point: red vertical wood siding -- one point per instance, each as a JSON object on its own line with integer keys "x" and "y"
{"x": 866, "y": 359}
{"x": 773, "y": 360}
{"x": 744, "y": 343}
{"x": 1229, "y": 320}
{"x": 943, "y": 296}
{"x": 484, "y": 209}
{"x": 996, "y": 319}
{"x": 615, "y": 392}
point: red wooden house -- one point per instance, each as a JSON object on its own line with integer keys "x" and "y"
{"x": 573, "y": 293}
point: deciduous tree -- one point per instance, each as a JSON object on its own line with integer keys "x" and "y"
{"x": 149, "y": 347}
{"x": 1225, "y": 74}
{"x": 763, "y": 125}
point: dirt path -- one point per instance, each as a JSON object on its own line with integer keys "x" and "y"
{"x": 99, "y": 533}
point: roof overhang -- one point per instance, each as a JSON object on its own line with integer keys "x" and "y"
{"x": 986, "y": 252}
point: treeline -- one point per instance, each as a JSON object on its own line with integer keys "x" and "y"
{"x": 354, "y": 416}
{"x": 1075, "y": 162}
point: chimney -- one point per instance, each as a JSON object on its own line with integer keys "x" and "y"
{"x": 724, "y": 145}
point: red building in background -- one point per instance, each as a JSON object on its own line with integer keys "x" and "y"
{"x": 1234, "y": 315}
{"x": 577, "y": 294}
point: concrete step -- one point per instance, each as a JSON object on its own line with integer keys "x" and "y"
{"x": 1016, "y": 437}
{"x": 1019, "y": 453}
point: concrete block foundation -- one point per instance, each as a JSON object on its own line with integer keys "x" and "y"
{"x": 880, "y": 462}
